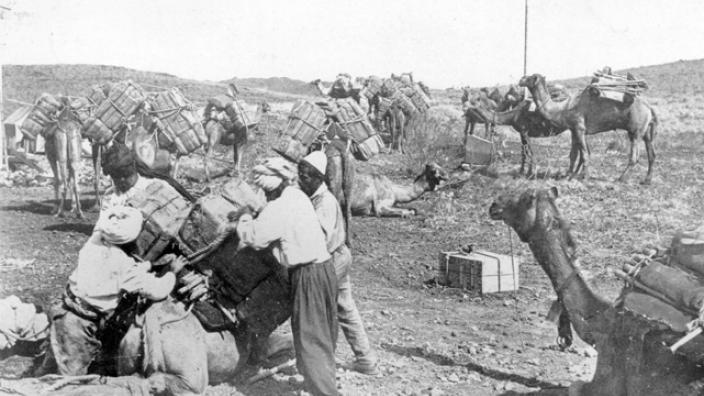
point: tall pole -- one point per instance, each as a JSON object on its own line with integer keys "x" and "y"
{"x": 525, "y": 40}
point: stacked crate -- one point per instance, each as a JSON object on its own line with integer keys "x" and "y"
{"x": 45, "y": 109}
{"x": 123, "y": 101}
{"x": 305, "y": 124}
{"x": 176, "y": 117}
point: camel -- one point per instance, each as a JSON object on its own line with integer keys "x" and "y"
{"x": 376, "y": 194}
{"x": 167, "y": 351}
{"x": 217, "y": 134}
{"x": 528, "y": 124}
{"x": 63, "y": 151}
{"x": 340, "y": 176}
{"x": 587, "y": 114}
{"x": 472, "y": 101}
{"x": 631, "y": 357}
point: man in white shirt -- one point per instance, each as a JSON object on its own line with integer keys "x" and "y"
{"x": 288, "y": 224}
{"x": 94, "y": 288}
{"x": 311, "y": 172}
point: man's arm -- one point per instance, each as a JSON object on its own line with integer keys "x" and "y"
{"x": 259, "y": 233}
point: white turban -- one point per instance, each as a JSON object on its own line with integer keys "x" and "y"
{"x": 120, "y": 224}
{"x": 273, "y": 171}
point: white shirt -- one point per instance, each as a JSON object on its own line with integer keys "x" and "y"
{"x": 104, "y": 269}
{"x": 290, "y": 225}
{"x": 330, "y": 216}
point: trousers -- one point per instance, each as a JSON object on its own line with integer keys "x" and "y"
{"x": 314, "y": 325}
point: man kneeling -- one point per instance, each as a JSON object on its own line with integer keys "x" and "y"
{"x": 104, "y": 271}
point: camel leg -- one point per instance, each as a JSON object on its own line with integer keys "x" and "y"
{"x": 384, "y": 209}
{"x": 632, "y": 159}
{"x": 74, "y": 163}
{"x": 95, "y": 153}
{"x": 650, "y": 151}
{"x": 61, "y": 151}
{"x": 466, "y": 130}
{"x": 524, "y": 152}
{"x": 237, "y": 151}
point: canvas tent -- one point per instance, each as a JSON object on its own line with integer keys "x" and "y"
{"x": 14, "y": 135}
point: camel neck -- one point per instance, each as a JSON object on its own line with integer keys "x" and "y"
{"x": 410, "y": 193}
{"x": 585, "y": 309}
{"x": 546, "y": 106}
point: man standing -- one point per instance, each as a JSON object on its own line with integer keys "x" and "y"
{"x": 288, "y": 224}
{"x": 311, "y": 172}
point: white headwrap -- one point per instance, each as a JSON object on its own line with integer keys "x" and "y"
{"x": 273, "y": 171}
{"x": 120, "y": 224}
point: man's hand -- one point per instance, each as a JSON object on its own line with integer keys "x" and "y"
{"x": 194, "y": 286}
{"x": 164, "y": 260}
{"x": 175, "y": 263}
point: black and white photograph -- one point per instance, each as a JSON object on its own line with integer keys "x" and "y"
{"x": 352, "y": 197}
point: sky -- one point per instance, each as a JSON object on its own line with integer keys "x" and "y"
{"x": 445, "y": 43}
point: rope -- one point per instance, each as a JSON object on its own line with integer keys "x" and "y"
{"x": 293, "y": 117}
{"x": 202, "y": 253}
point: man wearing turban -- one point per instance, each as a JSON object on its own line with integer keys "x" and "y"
{"x": 311, "y": 173}
{"x": 288, "y": 224}
{"x": 104, "y": 271}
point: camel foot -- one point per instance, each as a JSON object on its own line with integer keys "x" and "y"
{"x": 60, "y": 214}
{"x": 79, "y": 215}
{"x": 407, "y": 213}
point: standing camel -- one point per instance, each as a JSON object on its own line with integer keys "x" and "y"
{"x": 631, "y": 357}
{"x": 340, "y": 176}
{"x": 236, "y": 137}
{"x": 63, "y": 151}
{"x": 587, "y": 114}
{"x": 528, "y": 124}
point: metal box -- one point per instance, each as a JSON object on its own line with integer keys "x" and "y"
{"x": 480, "y": 271}
{"x": 478, "y": 151}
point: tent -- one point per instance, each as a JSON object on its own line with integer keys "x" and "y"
{"x": 13, "y": 131}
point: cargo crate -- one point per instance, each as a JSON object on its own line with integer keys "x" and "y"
{"x": 478, "y": 151}
{"x": 481, "y": 271}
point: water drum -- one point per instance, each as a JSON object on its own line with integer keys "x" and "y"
{"x": 478, "y": 151}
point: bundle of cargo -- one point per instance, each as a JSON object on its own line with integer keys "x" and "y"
{"x": 305, "y": 124}
{"x": 351, "y": 122}
{"x": 210, "y": 212}
{"x": 479, "y": 270}
{"x": 616, "y": 87}
{"x": 419, "y": 98}
{"x": 384, "y": 106}
{"x": 98, "y": 93}
{"x": 372, "y": 87}
{"x": 124, "y": 100}
{"x": 175, "y": 116}
{"x": 400, "y": 99}
{"x": 165, "y": 211}
{"x": 45, "y": 109}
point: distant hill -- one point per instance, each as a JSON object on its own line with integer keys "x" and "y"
{"x": 26, "y": 82}
{"x": 676, "y": 78}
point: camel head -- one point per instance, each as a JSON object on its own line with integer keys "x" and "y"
{"x": 532, "y": 81}
{"x": 315, "y": 82}
{"x": 528, "y": 211}
{"x": 433, "y": 175}
{"x": 266, "y": 107}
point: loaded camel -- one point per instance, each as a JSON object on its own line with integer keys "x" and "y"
{"x": 168, "y": 352}
{"x": 63, "y": 151}
{"x": 631, "y": 357}
{"x": 237, "y": 137}
{"x": 528, "y": 124}
{"x": 587, "y": 114}
{"x": 375, "y": 194}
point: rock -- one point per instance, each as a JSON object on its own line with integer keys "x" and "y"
{"x": 453, "y": 378}
{"x": 295, "y": 379}
{"x": 436, "y": 392}
{"x": 474, "y": 377}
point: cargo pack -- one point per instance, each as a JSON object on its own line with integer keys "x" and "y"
{"x": 177, "y": 119}
{"x": 305, "y": 124}
{"x": 45, "y": 109}
{"x": 165, "y": 211}
{"x": 124, "y": 100}
{"x": 210, "y": 212}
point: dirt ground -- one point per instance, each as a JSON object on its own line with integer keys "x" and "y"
{"x": 431, "y": 339}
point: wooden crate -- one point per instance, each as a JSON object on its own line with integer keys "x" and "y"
{"x": 481, "y": 271}
{"x": 478, "y": 151}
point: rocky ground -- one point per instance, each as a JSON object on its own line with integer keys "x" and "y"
{"x": 430, "y": 339}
